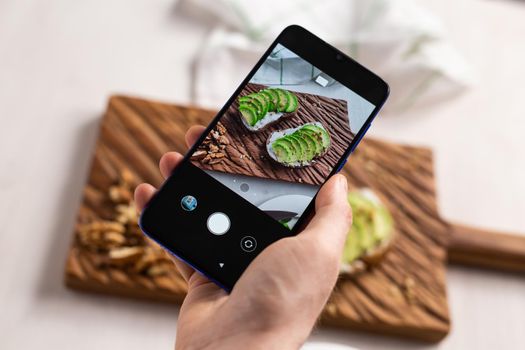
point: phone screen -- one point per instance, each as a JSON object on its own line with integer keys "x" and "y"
{"x": 251, "y": 176}
{"x": 279, "y": 140}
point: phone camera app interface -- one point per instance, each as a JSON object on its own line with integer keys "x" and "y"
{"x": 282, "y": 136}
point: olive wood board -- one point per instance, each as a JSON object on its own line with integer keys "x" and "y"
{"x": 246, "y": 151}
{"x": 405, "y": 295}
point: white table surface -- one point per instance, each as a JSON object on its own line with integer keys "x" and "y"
{"x": 60, "y": 60}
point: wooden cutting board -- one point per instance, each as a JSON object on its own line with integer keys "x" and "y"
{"x": 405, "y": 295}
{"x": 246, "y": 157}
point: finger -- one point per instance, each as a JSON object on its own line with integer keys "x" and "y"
{"x": 168, "y": 162}
{"x": 143, "y": 194}
{"x": 185, "y": 270}
{"x": 190, "y": 275}
{"x": 193, "y": 134}
{"x": 333, "y": 215}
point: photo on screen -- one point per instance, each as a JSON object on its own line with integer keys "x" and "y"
{"x": 282, "y": 136}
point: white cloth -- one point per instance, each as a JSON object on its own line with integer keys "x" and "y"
{"x": 397, "y": 39}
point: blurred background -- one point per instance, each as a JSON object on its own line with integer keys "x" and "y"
{"x": 456, "y": 70}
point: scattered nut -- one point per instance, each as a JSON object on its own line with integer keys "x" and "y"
{"x": 158, "y": 270}
{"x": 125, "y": 255}
{"x": 127, "y": 213}
{"x": 115, "y": 238}
{"x": 119, "y": 245}
{"x": 197, "y": 155}
{"x": 221, "y": 129}
{"x": 214, "y": 143}
{"x": 119, "y": 194}
{"x": 127, "y": 178}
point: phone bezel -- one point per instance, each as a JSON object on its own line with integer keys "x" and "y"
{"x": 329, "y": 60}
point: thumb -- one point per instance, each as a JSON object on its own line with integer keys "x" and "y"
{"x": 333, "y": 215}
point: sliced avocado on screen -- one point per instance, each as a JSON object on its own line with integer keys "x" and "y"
{"x": 313, "y": 146}
{"x": 259, "y": 107}
{"x": 320, "y": 135}
{"x": 269, "y": 99}
{"x": 309, "y": 146}
{"x": 302, "y": 154}
{"x": 248, "y": 101}
{"x": 321, "y": 131}
{"x": 296, "y": 148}
{"x": 249, "y": 113}
{"x": 285, "y": 223}
{"x": 275, "y": 97}
{"x": 283, "y": 100}
{"x": 284, "y": 150}
{"x": 263, "y": 103}
{"x": 266, "y": 101}
{"x": 303, "y": 145}
{"x": 292, "y": 102}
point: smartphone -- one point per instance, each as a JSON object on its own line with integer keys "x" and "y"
{"x": 252, "y": 177}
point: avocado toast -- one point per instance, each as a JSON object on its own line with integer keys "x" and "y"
{"x": 300, "y": 146}
{"x": 262, "y": 108}
{"x": 371, "y": 234}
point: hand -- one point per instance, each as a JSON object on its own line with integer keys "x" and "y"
{"x": 278, "y": 298}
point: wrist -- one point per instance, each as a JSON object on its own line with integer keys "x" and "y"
{"x": 260, "y": 340}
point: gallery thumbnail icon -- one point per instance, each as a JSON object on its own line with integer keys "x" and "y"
{"x": 188, "y": 203}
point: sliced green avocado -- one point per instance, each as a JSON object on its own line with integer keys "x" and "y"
{"x": 264, "y": 104}
{"x": 283, "y": 100}
{"x": 250, "y": 100}
{"x": 313, "y": 142}
{"x": 249, "y": 113}
{"x": 373, "y": 220}
{"x": 372, "y": 224}
{"x": 317, "y": 137}
{"x": 362, "y": 205}
{"x": 275, "y": 98}
{"x": 283, "y": 150}
{"x": 285, "y": 223}
{"x": 303, "y": 147}
{"x": 325, "y": 137}
{"x": 366, "y": 233}
{"x": 383, "y": 223}
{"x": 352, "y": 249}
{"x": 288, "y": 146}
{"x": 292, "y": 102}
{"x": 296, "y": 149}
{"x": 269, "y": 100}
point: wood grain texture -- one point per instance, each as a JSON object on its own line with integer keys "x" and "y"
{"x": 246, "y": 153}
{"x": 483, "y": 248}
{"x": 405, "y": 295}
